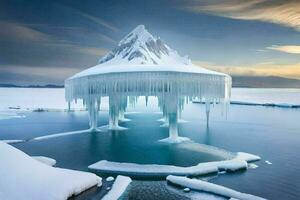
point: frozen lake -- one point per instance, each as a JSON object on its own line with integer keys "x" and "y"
{"x": 270, "y": 132}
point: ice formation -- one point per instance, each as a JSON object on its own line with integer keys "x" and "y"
{"x": 210, "y": 187}
{"x": 143, "y": 65}
{"x": 240, "y": 161}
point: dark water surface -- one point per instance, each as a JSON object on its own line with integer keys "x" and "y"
{"x": 272, "y": 133}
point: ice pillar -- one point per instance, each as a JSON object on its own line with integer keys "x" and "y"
{"x": 115, "y": 106}
{"x": 173, "y": 125}
{"x": 92, "y": 106}
{"x": 170, "y": 109}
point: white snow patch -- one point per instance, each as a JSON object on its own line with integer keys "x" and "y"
{"x": 237, "y": 163}
{"x": 175, "y": 140}
{"x": 115, "y": 128}
{"x": 210, "y": 187}
{"x": 252, "y": 166}
{"x": 23, "y": 177}
{"x": 268, "y": 162}
{"x": 118, "y": 188}
{"x": 110, "y": 178}
{"x": 46, "y": 160}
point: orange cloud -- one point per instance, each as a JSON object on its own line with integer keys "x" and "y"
{"x": 284, "y": 12}
{"x": 286, "y": 48}
{"x": 260, "y": 69}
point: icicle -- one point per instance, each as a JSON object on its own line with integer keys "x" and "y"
{"x": 169, "y": 87}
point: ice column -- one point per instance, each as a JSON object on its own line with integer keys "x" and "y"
{"x": 123, "y": 107}
{"x": 171, "y": 110}
{"x": 115, "y": 106}
{"x": 92, "y": 106}
{"x": 173, "y": 128}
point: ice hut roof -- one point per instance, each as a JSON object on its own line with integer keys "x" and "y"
{"x": 140, "y": 51}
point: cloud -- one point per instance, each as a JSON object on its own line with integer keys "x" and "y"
{"x": 15, "y": 31}
{"x": 97, "y": 20}
{"x": 93, "y": 51}
{"x": 40, "y": 74}
{"x": 92, "y": 18}
{"x": 293, "y": 49}
{"x": 284, "y": 12}
{"x": 259, "y": 69}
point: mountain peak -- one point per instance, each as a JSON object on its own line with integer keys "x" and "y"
{"x": 140, "y": 47}
{"x": 139, "y": 34}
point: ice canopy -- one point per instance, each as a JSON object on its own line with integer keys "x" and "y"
{"x": 143, "y": 65}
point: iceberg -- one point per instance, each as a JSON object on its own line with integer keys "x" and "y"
{"x": 35, "y": 180}
{"x": 143, "y": 65}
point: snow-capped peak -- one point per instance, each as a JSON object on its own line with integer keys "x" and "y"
{"x": 140, "y": 47}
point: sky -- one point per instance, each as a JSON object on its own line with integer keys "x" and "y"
{"x": 45, "y": 42}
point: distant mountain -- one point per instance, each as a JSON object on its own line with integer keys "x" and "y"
{"x": 140, "y": 47}
{"x": 237, "y": 81}
{"x": 264, "y": 82}
{"x": 30, "y": 86}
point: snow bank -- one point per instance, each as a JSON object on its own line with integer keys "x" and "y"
{"x": 210, "y": 187}
{"x": 46, "y": 160}
{"x": 118, "y": 188}
{"x": 266, "y": 97}
{"x": 280, "y": 105}
{"x": 23, "y": 177}
{"x": 237, "y": 163}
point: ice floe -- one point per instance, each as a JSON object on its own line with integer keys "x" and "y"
{"x": 240, "y": 161}
{"x": 110, "y": 178}
{"x": 200, "y": 185}
{"x": 252, "y": 166}
{"x": 118, "y": 188}
{"x": 23, "y": 177}
{"x": 268, "y": 162}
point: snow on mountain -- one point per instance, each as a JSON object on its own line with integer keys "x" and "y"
{"x": 140, "y": 47}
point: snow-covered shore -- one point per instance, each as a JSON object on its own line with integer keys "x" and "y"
{"x": 23, "y": 177}
{"x": 287, "y": 98}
